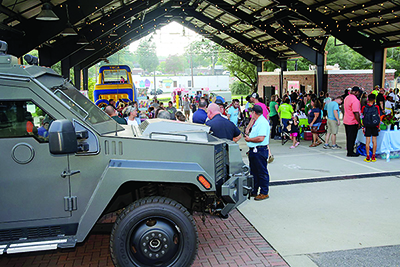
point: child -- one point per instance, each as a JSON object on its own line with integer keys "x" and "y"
{"x": 293, "y": 128}
{"x": 371, "y": 121}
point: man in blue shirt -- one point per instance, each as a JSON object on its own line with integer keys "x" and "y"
{"x": 258, "y": 141}
{"x": 233, "y": 112}
{"x": 333, "y": 122}
{"x": 200, "y": 116}
{"x": 221, "y": 127}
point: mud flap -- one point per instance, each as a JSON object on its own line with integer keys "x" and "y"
{"x": 235, "y": 191}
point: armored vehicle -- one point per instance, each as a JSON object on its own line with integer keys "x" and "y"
{"x": 65, "y": 163}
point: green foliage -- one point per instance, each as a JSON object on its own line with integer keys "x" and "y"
{"x": 239, "y": 88}
{"x": 346, "y": 57}
{"x": 393, "y": 60}
{"x": 302, "y": 64}
{"x": 204, "y": 53}
{"x": 269, "y": 66}
{"x": 243, "y": 70}
{"x": 91, "y": 84}
{"x": 174, "y": 64}
{"x": 147, "y": 56}
{"x": 122, "y": 57}
{"x": 161, "y": 67}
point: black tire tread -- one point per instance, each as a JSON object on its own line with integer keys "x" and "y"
{"x": 150, "y": 200}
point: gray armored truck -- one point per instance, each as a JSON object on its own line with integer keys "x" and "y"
{"x": 64, "y": 163}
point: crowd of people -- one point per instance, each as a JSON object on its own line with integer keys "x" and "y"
{"x": 259, "y": 123}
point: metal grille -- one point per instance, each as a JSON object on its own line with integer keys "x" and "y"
{"x": 30, "y": 233}
{"x": 220, "y": 163}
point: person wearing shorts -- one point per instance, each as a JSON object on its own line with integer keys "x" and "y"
{"x": 371, "y": 131}
{"x": 333, "y": 122}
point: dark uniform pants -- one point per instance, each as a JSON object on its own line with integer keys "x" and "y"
{"x": 258, "y": 168}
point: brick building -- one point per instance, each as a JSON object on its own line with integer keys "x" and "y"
{"x": 336, "y": 81}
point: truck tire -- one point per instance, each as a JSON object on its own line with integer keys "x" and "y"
{"x": 154, "y": 231}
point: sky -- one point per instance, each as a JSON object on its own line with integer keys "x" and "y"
{"x": 170, "y": 39}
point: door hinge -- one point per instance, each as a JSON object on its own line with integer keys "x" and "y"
{"x": 70, "y": 203}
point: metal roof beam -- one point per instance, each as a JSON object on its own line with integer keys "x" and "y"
{"x": 281, "y": 37}
{"x": 349, "y": 37}
{"x": 68, "y": 46}
{"x": 273, "y": 56}
{"x": 125, "y": 34}
{"x": 33, "y": 38}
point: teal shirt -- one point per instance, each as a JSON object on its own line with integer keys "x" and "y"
{"x": 260, "y": 128}
{"x": 272, "y": 110}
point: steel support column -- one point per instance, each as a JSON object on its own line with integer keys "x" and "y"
{"x": 379, "y": 63}
{"x": 65, "y": 68}
{"x": 283, "y": 66}
{"x": 85, "y": 74}
{"x": 77, "y": 78}
{"x": 259, "y": 69}
{"x": 319, "y": 81}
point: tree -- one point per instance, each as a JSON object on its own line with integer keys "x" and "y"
{"x": 204, "y": 50}
{"x": 393, "y": 60}
{"x": 243, "y": 70}
{"x": 122, "y": 57}
{"x": 174, "y": 64}
{"x": 147, "y": 56}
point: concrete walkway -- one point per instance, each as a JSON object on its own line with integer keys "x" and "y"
{"x": 326, "y": 209}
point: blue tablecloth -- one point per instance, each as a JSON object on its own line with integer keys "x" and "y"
{"x": 387, "y": 141}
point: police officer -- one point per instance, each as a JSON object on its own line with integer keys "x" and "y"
{"x": 258, "y": 141}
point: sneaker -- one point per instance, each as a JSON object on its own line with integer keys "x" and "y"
{"x": 373, "y": 159}
{"x": 336, "y": 147}
{"x": 292, "y": 147}
{"x": 326, "y": 146}
{"x": 367, "y": 159}
{"x": 297, "y": 144}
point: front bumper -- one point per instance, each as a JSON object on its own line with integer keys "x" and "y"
{"x": 236, "y": 190}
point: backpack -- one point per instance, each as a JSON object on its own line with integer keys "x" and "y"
{"x": 371, "y": 116}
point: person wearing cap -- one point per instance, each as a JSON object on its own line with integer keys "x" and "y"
{"x": 376, "y": 90}
{"x": 258, "y": 141}
{"x": 351, "y": 119}
{"x": 389, "y": 104}
{"x": 200, "y": 116}
{"x": 221, "y": 127}
{"x": 254, "y": 99}
{"x": 131, "y": 112}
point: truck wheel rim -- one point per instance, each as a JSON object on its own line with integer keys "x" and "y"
{"x": 155, "y": 241}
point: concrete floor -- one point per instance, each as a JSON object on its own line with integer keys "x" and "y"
{"x": 314, "y": 223}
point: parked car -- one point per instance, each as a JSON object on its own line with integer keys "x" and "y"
{"x": 154, "y": 92}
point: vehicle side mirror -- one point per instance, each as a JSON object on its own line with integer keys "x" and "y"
{"x": 62, "y": 137}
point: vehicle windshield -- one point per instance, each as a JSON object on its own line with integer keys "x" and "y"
{"x": 79, "y": 103}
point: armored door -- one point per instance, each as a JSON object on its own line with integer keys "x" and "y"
{"x": 31, "y": 185}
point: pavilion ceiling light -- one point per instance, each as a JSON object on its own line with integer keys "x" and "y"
{"x": 89, "y": 48}
{"x": 47, "y": 13}
{"x": 69, "y": 30}
{"x": 82, "y": 41}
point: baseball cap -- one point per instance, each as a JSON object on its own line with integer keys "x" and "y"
{"x": 257, "y": 109}
{"x": 356, "y": 89}
{"x": 392, "y": 95}
{"x": 254, "y": 95}
{"x": 219, "y": 102}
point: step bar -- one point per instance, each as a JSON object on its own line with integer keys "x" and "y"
{"x": 24, "y": 246}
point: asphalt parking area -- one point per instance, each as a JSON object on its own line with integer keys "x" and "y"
{"x": 230, "y": 242}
